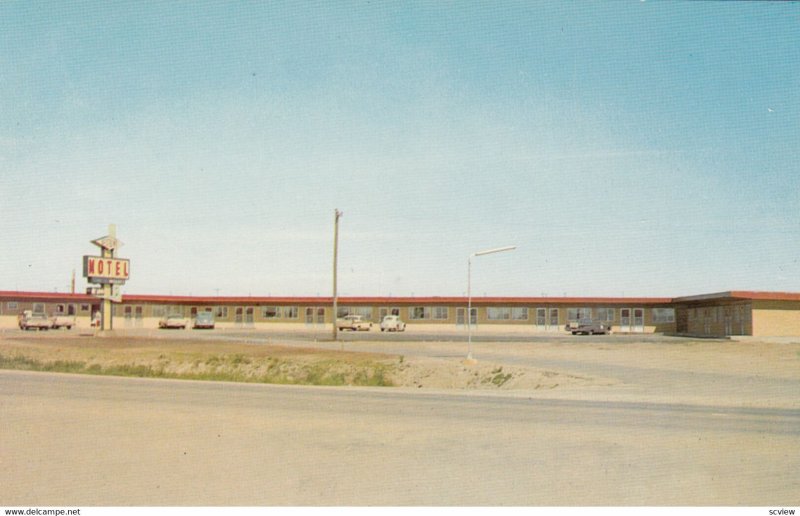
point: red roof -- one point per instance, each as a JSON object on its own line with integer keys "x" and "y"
{"x": 403, "y": 300}
{"x": 46, "y": 296}
{"x": 742, "y": 294}
{"x": 327, "y": 300}
{"x": 772, "y": 296}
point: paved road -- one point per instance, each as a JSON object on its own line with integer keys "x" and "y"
{"x": 81, "y": 440}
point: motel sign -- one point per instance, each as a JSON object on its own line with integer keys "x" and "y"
{"x": 98, "y": 269}
{"x": 109, "y": 272}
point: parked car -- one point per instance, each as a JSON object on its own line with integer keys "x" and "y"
{"x": 172, "y": 321}
{"x": 204, "y": 320}
{"x": 588, "y": 327}
{"x": 28, "y": 320}
{"x": 353, "y": 323}
{"x": 392, "y": 323}
{"x": 62, "y": 321}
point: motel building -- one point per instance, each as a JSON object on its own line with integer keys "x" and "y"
{"x": 721, "y": 314}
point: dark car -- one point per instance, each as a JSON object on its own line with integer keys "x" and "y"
{"x": 589, "y": 327}
{"x": 204, "y": 320}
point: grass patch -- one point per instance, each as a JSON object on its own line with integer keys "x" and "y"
{"x": 237, "y": 367}
{"x": 497, "y": 378}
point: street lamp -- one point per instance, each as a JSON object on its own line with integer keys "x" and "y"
{"x": 337, "y": 215}
{"x": 469, "y": 291}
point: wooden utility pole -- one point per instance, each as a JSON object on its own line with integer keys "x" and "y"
{"x": 337, "y": 215}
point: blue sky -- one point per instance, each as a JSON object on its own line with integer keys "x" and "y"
{"x": 627, "y": 148}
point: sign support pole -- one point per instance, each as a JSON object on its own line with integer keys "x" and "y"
{"x": 109, "y": 272}
{"x": 106, "y": 306}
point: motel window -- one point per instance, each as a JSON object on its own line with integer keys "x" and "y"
{"x": 428, "y": 312}
{"x": 38, "y": 308}
{"x": 419, "y": 312}
{"x": 85, "y": 308}
{"x": 291, "y": 312}
{"x": 519, "y": 313}
{"x": 663, "y": 315}
{"x": 741, "y": 313}
{"x": 159, "y": 310}
{"x": 494, "y": 313}
{"x": 176, "y": 310}
{"x": 221, "y": 312}
{"x": 440, "y": 312}
{"x": 604, "y": 314}
{"x": 128, "y": 312}
{"x": 271, "y": 312}
{"x": 576, "y": 314}
{"x": 364, "y": 311}
{"x": 12, "y": 305}
{"x": 554, "y": 317}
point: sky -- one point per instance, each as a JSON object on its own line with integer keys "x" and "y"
{"x": 631, "y": 148}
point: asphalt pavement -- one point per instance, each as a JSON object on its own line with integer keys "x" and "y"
{"x": 82, "y": 440}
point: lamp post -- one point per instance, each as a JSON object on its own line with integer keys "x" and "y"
{"x": 469, "y": 291}
{"x": 337, "y": 215}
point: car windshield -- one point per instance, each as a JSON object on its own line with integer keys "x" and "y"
{"x": 206, "y": 316}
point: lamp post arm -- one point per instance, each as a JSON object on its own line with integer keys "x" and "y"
{"x": 469, "y": 291}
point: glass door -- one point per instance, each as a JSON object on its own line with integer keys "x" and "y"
{"x": 625, "y": 320}
{"x": 638, "y": 320}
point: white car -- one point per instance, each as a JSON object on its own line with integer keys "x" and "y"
{"x": 353, "y": 323}
{"x": 173, "y": 321}
{"x": 392, "y": 323}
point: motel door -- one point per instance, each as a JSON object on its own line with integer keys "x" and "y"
{"x": 383, "y": 312}
{"x": 461, "y": 319}
{"x": 631, "y": 320}
{"x": 320, "y": 313}
{"x": 728, "y": 312}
